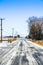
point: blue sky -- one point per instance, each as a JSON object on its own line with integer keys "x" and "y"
{"x": 16, "y": 12}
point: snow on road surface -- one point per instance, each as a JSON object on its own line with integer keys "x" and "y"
{"x": 20, "y": 52}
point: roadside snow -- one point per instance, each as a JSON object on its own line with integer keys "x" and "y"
{"x": 4, "y": 44}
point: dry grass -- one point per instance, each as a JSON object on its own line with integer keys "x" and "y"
{"x": 9, "y": 40}
{"x": 38, "y": 42}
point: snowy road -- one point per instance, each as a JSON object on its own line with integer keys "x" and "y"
{"x": 21, "y": 52}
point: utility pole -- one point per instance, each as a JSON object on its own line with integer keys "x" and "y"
{"x": 28, "y": 21}
{"x": 12, "y": 32}
{"x": 1, "y": 27}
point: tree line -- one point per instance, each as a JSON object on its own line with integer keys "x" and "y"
{"x": 36, "y": 28}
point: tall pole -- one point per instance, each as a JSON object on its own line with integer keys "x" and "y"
{"x": 1, "y": 27}
{"x": 12, "y": 32}
{"x": 28, "y": 21}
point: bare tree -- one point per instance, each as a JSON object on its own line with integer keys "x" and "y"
{"x": 36, "y": 30}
